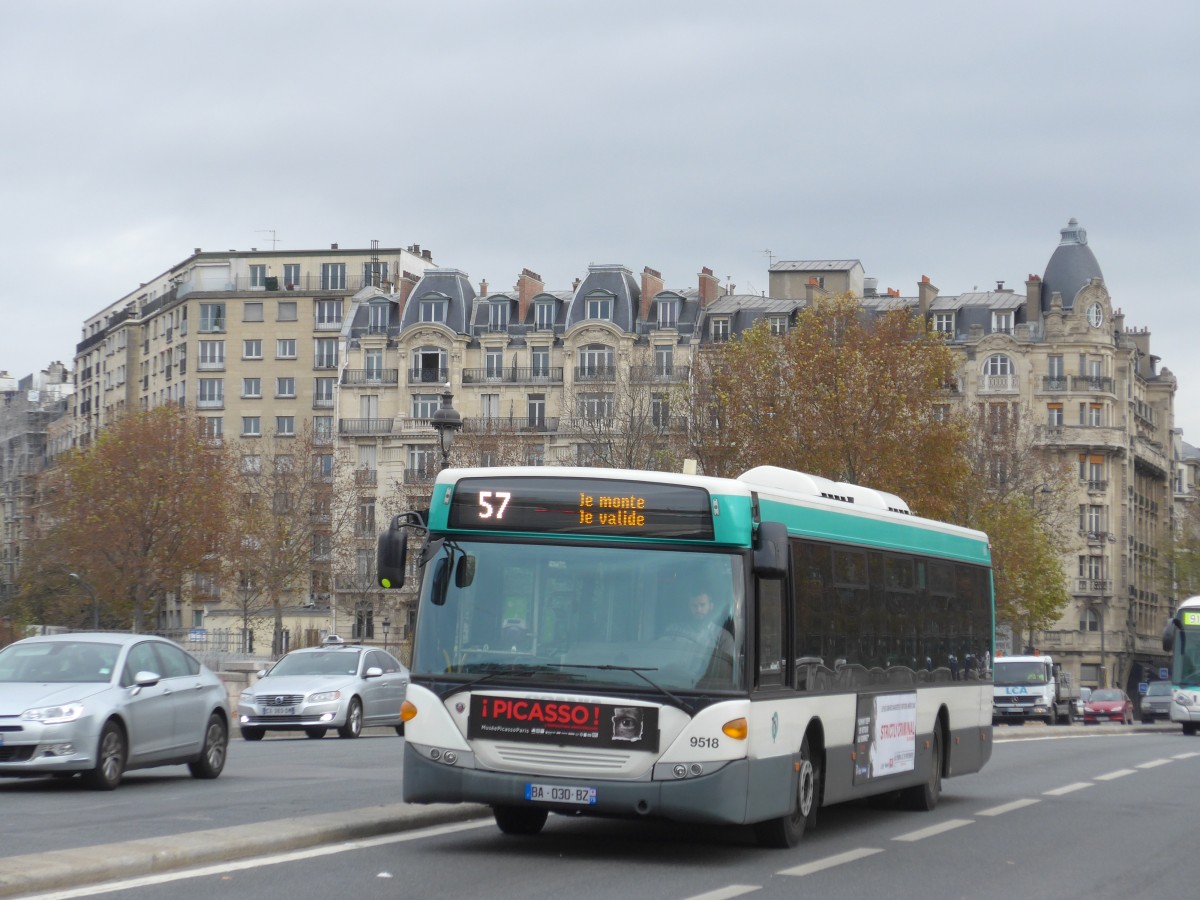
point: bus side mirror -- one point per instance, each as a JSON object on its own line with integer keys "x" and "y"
{"x": 391, "y": 555}
{"x": 441, "y": 581}
{"x": 1169, "y": 634}
{"x": 771, "y": 550}
{"x": 464, "y": 572}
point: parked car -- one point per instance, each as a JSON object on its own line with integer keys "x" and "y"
{"x": 102, "y": 704}
{"x": 1156, "y": 702}
{"x": 1108, "y": 705}
{"x": 336, "y": 685}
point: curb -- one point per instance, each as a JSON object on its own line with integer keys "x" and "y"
{"x": 149, "y": 856}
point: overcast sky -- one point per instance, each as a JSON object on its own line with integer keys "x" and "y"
{"x": 948, "y": 139}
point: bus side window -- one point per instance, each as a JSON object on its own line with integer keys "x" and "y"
{"x": 771, "y": 663}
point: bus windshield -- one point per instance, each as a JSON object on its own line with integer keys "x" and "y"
{"x": 1186, "y": 663}
{"x": 579, "y": 615}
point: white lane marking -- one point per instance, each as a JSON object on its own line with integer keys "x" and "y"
{"x": 1068, "y": 789}
{"x": 239, "y": 865}
{"x": 829, "y": 862}
{"x": 1187, "y": 755}
{"x": 733, "y": 890}
{"x": 1154, "y": 764}
{"x": 1112, "y": 776}
{"x": 921, "y": 834}
{"x": 1007, "y": 807}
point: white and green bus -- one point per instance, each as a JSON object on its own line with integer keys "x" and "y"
{"x": 1181, "y": 638}
{"x": 561, "y": 664}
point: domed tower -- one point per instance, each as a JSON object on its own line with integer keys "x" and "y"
{"x": 1072, "y": 266}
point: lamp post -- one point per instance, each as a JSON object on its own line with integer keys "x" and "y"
{"x": 446, "y": 422}
{"x": 387, "y": 623}
{"x": 95, "y": 600}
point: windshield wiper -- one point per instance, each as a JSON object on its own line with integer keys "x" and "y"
{"x": 636, "y": 670}
{"x": 496, "y": 671}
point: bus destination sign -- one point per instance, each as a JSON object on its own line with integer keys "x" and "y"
{"x": 582, "y": 506}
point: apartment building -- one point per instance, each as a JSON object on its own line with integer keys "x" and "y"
{"x": 1060, "y": 357}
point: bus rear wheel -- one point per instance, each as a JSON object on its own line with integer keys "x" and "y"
{"x": 924, "y": 797}
{"x": 519, "y": 819}
{"x": 786, "y": 831}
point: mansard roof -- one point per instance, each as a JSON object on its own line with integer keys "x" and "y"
{"x": 1072, "y": 266}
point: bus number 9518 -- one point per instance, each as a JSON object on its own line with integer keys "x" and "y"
{"x": 708, "y": 743}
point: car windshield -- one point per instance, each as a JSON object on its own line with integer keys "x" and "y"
{"x": 1019, "y": 672}
{"x": 1159, "y": 689}
{"x": 1105, "y": 696}
{"x": 59, "y": 662}
{"x": 318, "y": 662}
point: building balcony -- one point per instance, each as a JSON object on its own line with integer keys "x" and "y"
{"x": 322, "y": 403}
{"x": 411, "y": 424}
{"x": 514, "y": 375}
{"x": 366, "y": 477}
{"x": 420, "y": 476}
{"x": 353, "y": 377}
{"x": 1093, "y": 587}
{"x": 365, "y": 426}
{"x": 1091, "y": 384}
{"x": 1083, "y": 436}
{"x": 428, "y": 376}
{"x": 509, "y": 425}
{"x": 1055, "y": 383}
{"x": 999, "y": 384}
{"x": 210, "y": 365}
{"x": 595, "y": 374}
{"x": 659, "y": 374}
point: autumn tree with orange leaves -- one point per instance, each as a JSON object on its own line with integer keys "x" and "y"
{"x": 146, "y": 506}
{"x": 842, "y": 395}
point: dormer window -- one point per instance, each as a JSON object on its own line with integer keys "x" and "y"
{"x": 1002, "y": 322}
{"x": 943, "y": 322}
{"x": 778, "y": 324}
{"x": 543, "y": 316}
{"x": 668, "y": 313}
{"x": 433, "y": 310}
{"x": 498, "y": 316}
{"x": 599, "y": 307}
{"x": 719, "y": 329}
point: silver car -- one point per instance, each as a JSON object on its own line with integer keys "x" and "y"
{"x": 1156, "y": 702}
{"x": 102, "y": 704}
{"x": 336, "y": 685}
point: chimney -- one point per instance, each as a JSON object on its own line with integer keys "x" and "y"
{"x": 575, "y": 284}
{"x": 333, "y": 246}
{"x": 926, "y": 294}
{"x": 1033, "y": 302}
{"x": 427, "y": 255}
{"x": 710, "y": 287}
{"x": 483, "y": 288}
{"x": 196, "y": 251}
{"x": 408, "y": 281}
{"x": 652, "y": 284}
{"x": 529, "y": 285}
{"x": 813, "y": 289}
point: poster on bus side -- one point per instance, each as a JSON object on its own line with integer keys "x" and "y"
{"x": 885, "y": 736}
{"x": 563, "y": 722}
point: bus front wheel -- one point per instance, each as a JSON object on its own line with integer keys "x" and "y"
{"x": 519, "y": 819}
{"x": 787, "y": 830}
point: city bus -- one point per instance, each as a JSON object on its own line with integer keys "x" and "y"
{"x": 1181, "y": 638}
{"x": 556, "y": 666}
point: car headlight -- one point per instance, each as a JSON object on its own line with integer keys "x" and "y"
{"x": 324, "y": 697}
{"x": 1183, "y": 698}
{"x": 54, "y": 715}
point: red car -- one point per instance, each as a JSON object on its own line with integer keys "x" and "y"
{"x": 1108, "y": 705}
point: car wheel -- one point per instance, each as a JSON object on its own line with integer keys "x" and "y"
{"x": 110, "y": 759}
{"x": 353, "y": 726}
{"x": 212, "y": 755}
{"x": 252, "y": 734}
{"x": 315, "y": 733}
{"x": 519, "y": 819}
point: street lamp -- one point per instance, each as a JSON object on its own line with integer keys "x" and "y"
{"x": 446, "y": 422}
{"x": 95, "y": 600}
{"x": 387, "y": 623}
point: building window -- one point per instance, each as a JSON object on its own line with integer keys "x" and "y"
{"x": 378, "y": 315}
{"x": 668, "y": 313}
{"x": 212, "y": 317}
{"x": 664, "y": 360}
{"x": 540, "y": 358}
{"x": 252, "y": 312}
{"x": 493, "y": 362}
{"x": 719, "y": 329}
{"x": 429, "y": 365}
{"x": 1089, "y": 621}
{"x": 1091, "y": 414}
{"x": 660, "y": 410}
{"x": 251, "y": 462}
{"x": 595, "y": 361}
{"x": 1002, "y": 321}
{"x": 212, "y": 427}
{"x": 498, "y": 316}
{"x": 778, "y": 324}
{"x": 252, "y": 349}
{"x": 212, "y": 354}
{"x": 489, "y": 406}
{"x": 328, "y": 314}
{"x": 420, "y": 462}
{"x": 325, "y": 353}
{"x": 543, "y": 316}
{"x": 285, "y": 386}
{"x": 323, "y": 428}
{"x": 596, "y": 407}
{"x": 535, "y": 410}
{"x": 943, "y": 322}
{"x": 252, "y": 427}
{"x": 285, "y": 426}
{"x": 251, "y": 387}
{"x": 998, "y": 364}
{"x": 286, "y": 311}
{"x": 323, "y": 389}
{"x": 373, "y": 364}
{"x": 258, "y": 279}
{"x": 333, "y": 276}
{"x": 291, "y": 275}
{"x": 599, "y": 307}
{"x": 285, "y": 348}
{"x": 425, "y": 405}
{"x": 211, "y": 393}
{"x": 433, "y": 310}
{"x": 1054, "y": 416}
{"x": 375, "y": 272}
